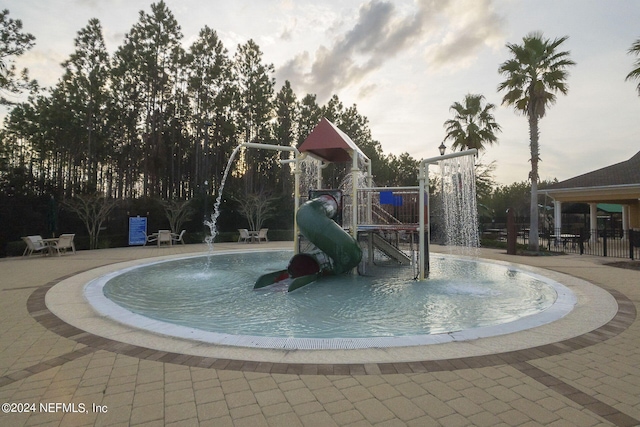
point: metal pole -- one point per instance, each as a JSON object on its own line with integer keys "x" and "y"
{"x": 369, "y": 199}
{"x": 296, "y": 200}
{"x": 320, "y": 167}
{"x": 423, "y": 176}
{"x": 450, "y": 156}
{"x": 270, "y": 147}
{"x": 354, "y": 194}
{"x": 354, "y": 201}
{"x": 427, "y": 226}
{"x": 296, "y": 203}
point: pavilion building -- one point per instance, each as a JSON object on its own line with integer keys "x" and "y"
{"x": 616, "y": 184}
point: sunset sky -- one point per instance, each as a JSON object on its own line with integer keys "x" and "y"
{"x": 404, "y": 63}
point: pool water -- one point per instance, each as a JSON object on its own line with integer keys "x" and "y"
{"x": 215, "y": 293}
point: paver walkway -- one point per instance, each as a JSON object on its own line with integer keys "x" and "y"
{"x": 56, "y": 374}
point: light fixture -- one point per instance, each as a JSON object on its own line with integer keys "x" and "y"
{"x": 442, "y": 148}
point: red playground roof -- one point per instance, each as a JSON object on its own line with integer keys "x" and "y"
{"x": 328, "y": 143}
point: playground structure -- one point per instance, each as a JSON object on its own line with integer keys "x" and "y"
{"x": 347, "y": 230}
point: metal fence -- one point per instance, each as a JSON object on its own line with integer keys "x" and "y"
{"x": 602, "y": 242}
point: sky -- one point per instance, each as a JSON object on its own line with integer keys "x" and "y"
{"x": 404, "y": 63}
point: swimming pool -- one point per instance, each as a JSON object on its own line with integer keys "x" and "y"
{"x": 213, "y": 295}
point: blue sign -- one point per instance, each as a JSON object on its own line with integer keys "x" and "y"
{"x": 388, "y": 198}
{"x": 137, "y": 230}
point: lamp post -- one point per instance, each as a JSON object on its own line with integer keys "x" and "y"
{"x": 442, "y": 148}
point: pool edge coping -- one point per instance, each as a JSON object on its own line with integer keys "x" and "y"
{"x": 77, "y": 313}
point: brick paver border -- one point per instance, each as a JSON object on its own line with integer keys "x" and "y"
{"x": 518, "y": 359}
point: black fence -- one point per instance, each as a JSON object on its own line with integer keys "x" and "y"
{"x": 604, "y": 242}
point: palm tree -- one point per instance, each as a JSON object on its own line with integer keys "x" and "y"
{"x": 473, "y": 124}
{"x": 635, "y": 73}
{"x": 533, "y": 75}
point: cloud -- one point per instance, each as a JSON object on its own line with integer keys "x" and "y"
{"x": 472, "y": 26}
{"x": 381, "y": 33}
{"x": 366, "y": 90}
{"x": 287, "y": 32}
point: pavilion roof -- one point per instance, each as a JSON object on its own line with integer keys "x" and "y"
{"x": 617, "y": 184}
{"x": 623, "y": 173}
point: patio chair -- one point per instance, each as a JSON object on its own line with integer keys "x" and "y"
{"x": 34, "y": 244}
{"x": 262, "y": 235}
{"x": 153, "y": 237}
{"x": 175, "y": 238}
{"x": 164, "y": 236}
{"x": 244, "y": 235}
{"x": 64, "y": 242}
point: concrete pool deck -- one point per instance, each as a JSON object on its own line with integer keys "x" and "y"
{"x": 583, "y": 370}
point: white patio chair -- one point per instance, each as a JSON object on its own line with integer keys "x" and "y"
{"x": 178, "y": 237}
{"x": 164, "y": 236}
{"x": 244, "y": 235}
{"x": 262, "y": 235}
{"x": 151, "y": 238}
{"x": 34, "y": 244}
{"x": 64, "y": 242}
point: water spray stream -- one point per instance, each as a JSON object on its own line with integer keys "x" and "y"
{"x": 216, "y": 207}
{"x": 459, "y": 204}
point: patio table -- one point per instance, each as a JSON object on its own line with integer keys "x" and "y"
{"x": 50, "y": 243}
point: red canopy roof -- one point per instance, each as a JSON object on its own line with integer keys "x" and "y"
{"x": 329, "y": 143}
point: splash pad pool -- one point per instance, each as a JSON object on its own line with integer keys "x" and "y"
{"x": 211, "y": 300}
{"x": 67, "y": 301}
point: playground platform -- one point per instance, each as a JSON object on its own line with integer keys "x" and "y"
{"x": 592, "y": 379}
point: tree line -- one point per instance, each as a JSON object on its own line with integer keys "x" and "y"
{"x": 157, "y": 120}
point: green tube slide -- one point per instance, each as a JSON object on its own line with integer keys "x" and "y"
{"x": 315, "y": 223}
{"x": 338, "y": 251}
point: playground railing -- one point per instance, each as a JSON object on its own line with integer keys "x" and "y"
{"x": 385, "y": 207}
